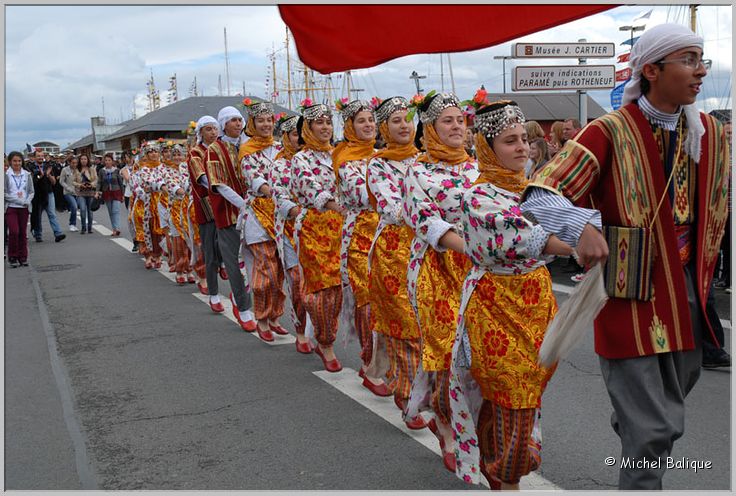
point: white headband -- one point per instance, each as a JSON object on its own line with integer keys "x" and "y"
{"x": 203, "y": 121}
{"x": 225, "y": 114}
{"x": 652, "y": 46}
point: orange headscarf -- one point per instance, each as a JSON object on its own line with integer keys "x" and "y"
{"x": 491, "y": 170}
{"x": 255, "y": 143}
{"x": 393, "y": 150}
{"x": 311, "y": 142}
{"x": 351, "y": 148}
{"x": 438, "y": 151}
{"x": 287, "y": 151}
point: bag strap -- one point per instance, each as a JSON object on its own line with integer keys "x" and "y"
{"x": 669, "y": 181}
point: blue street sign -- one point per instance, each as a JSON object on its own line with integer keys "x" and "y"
{"x": 617, "y": 95}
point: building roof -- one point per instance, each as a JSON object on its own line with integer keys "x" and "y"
{"x": 550, "y": 106}
{"x": 723, "y": 115}
{"x": 86, "y": 141}
{"x": 176, "y": 116}
{"x": 45, "y": 144}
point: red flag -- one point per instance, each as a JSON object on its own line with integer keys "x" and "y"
{"x": 333, "y": 38}
{"x": 624, "y": 57}
{"x": 623, "y": 74}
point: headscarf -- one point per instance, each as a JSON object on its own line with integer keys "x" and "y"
{"x": 203, "y": 121}
{"x": 492, "y": 171}
{"x": 393, "y": 150}
{"x": 352, "y": 147}
{"x": 287, "y": 151}
{"x": 652, "y": 46}
{"x": 256, "y": 143}
{"x": 438, "y": 151}
{"x": 310, "y": 140}
{"x": 224, "y": 116}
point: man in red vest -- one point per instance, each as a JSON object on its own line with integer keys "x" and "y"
{"x": 655, "y": 169}
{"x": 225, "y": 180}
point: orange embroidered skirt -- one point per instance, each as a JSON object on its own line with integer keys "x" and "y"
{"x": 360, "y": 245}
{"x": 387, "y": 286}
{"x": 506, "y": 319}
{"x": 319, "y": 250}
{"x": 439, "y": 287}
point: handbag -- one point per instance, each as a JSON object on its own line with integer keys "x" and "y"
{"x": 631, "y": 253}
{"x": 95, "y": 204}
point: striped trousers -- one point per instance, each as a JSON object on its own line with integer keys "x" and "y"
{"x": 267, "y": 282}
{"x": 297, "y": 298}
{"x": 404, "y": 356}
{"x": 365, "y": 332}
{"x": 440, "y": 398}
{"x": 507, "y": 449}
{"x": 324, "y": 308}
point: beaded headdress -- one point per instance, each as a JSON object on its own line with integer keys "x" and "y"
{"x": 150, "y": 146}
{"x": 258, "y": 108}
{"x": 312, "y": 111}
{"x": 286, "y": 123}
{"x": 389, "y": 106}
{"x": 348, "y": 110}
{"x": 494, "y": 118}
{"x": 439, "y": 102}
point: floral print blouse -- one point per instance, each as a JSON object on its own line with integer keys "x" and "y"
{"x": 385, "y": 181}
{"x": 313, "y": 178}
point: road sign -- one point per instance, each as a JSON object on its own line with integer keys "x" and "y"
{"x": 563, "y": 50}
{"x": 563, "y": 77}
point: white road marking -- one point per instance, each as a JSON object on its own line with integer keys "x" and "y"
{"x": 347, "y": 382}
{"x": 123, "y": 242}
{"x": 101, "y": 229}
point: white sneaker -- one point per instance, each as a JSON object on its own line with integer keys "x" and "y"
{"x": 247, "y": 315}
{"x": 73, "y": 228}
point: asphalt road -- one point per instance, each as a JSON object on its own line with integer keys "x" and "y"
{"x": 133, "y": 383}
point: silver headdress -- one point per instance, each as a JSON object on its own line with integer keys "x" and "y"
{"x": 352, "y": 108}
{"x": 389, "y": 106}
{"x": 493, "y": 119}
{"x": 260, "y": 108}
{"x": 316, "y": 111}
{"x": 440, "y": 102}
{"x": 287, "y": 125}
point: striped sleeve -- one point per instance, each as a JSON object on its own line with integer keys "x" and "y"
{"x": 557, "y": 215}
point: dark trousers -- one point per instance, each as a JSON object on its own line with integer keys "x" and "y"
{"x": 715, "y": 323}
{"x": 16, "y": 222}
{"x": 228, "y": 240}
{"x": 648, "y": 397}
{"x": 212, "y": 258}
{"x": 726, "y": 255}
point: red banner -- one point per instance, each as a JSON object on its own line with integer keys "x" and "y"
{"x": 623, "y": 74}
{"x": 624, "y": 57}
{"x": 333, "y": 38}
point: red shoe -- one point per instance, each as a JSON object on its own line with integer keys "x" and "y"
{"x": 223, "y": 273}
{"x": 432, "y": 426}
{"x": 149, "y": 265}
{"x": 398, "y": 403}
{"x": 202, "y": 289}
{"x": 157, "y": 264}
{"x": 181, "y": 280}
{"x": 377, "y": 389}
{"x": 191, "y": 279}
{"x": 266, "y": 335}
{"x": 217, "y": 307}
{"x": 172, "y": 268}
{"x": 305, "y": 347}
{"x": 361, "y": 373}
{"x": 278, "y": 329}
{"x": 331, "y": 366}
{"x": 417, "y": 423}
{"x": 449, "y": 460}
{"x": 247, "y": 326}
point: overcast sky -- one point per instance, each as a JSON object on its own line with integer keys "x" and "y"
{"x": 61, "y": 61}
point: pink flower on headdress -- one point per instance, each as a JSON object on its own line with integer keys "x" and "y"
{"x": 481, "y": 97}
{"x": 375, "y": 102}
{"x": 306, "y": 102}
{"x": 247, "y": 102}
{"x": 417, "y": 99}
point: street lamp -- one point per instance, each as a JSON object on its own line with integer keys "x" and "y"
{"x": 632, "y": 29}
{"x": 504, "y": 58}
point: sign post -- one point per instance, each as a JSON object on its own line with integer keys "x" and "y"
{"x": 564, "y": 77}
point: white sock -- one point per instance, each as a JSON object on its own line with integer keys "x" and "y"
{"x": 215, "y": 299}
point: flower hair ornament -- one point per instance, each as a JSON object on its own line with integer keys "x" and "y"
{"x": 479, "y": 100}
{"x": 496, "y": 117}
{"x": 190, "y": 129}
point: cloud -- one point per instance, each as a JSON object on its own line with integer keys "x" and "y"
{"x": 62, "y": 60}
